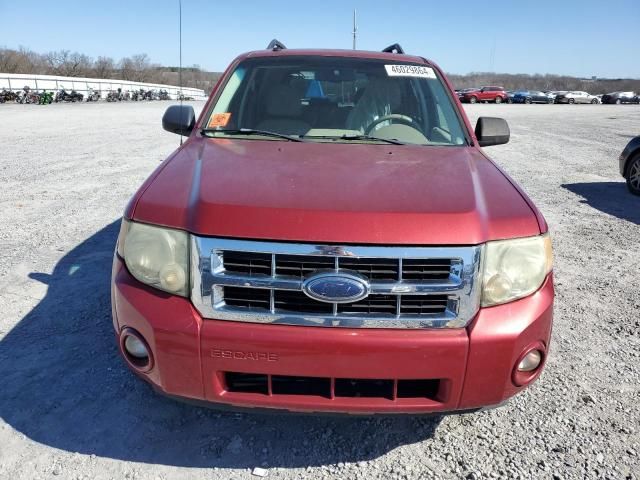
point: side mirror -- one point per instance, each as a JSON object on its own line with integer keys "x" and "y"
{"x": 179, "y": 119}
{"x": 492, "y": 131}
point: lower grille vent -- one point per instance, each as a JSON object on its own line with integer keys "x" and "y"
{"x": 326, "y": 387}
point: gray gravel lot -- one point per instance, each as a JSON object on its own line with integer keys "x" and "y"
{"x": 70, "y": 409}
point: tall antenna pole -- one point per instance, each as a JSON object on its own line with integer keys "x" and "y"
{"x": 492, "y": 56}
{"x": 180, "y": 96}
{"x": 355, "y": 28}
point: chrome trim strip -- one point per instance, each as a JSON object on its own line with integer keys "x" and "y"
{"x": 462, "y": 286}
{"x": 281, "y": 282}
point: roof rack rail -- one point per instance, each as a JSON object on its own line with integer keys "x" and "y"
{"x": 276, "y": 45}
{"x": 395, "y": 48}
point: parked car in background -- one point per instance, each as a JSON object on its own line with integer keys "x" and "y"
{"x": 636, "y": 99}
{"x": 461, "y": 92}
{"x": 485, "y": 94}
{"x": 630, "y": 165}
{"x": 556, "y": 94}
{"x": 532, "y": 96}
{"x": 577, "y": 97}
{"x": 619, "y": 97}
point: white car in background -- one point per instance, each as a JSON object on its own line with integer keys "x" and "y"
{"x": 577, "y": 97}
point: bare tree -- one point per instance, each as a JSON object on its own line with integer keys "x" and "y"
{"x": 104, "y": 67}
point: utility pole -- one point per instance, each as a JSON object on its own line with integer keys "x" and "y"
{"x": 355, "y": 29}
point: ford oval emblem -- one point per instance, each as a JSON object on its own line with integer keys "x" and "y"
{"x": 334, "y": 287}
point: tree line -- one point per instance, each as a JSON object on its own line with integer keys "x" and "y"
{"x": 140, "y": 68}
{"x": 136, "y": 68}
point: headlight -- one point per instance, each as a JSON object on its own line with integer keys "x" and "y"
{"x": 515, "y": 268}
{"x": 156, "y": 256}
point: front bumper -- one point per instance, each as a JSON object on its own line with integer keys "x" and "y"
{"x": 472, "y": 367}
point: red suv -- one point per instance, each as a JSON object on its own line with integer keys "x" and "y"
{"x": 485, "y": 94}
{"x": 332, "y": 238}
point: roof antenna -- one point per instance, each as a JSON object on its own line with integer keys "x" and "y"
{"x": 355, "y": 28}
{"x": 180, "y": 95}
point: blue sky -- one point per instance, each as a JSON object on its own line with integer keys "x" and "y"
{"x": 581, "y": 38}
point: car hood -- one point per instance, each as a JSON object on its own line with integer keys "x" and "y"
{"x": 338, "y": 193}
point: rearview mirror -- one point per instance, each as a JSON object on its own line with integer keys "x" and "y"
{"x": 492, "y": 131}
{"x": 179, "y": 119}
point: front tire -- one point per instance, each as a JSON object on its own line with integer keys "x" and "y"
{"x": 498, "y": 99}
{"x": 551, "y": 101}
{"x": 633, "y": 175}
{"x": 594, "y": 101}
{"x": 571, "y": 101}
{"x": 473, "y": 100}
{"x": 527, "y": 101}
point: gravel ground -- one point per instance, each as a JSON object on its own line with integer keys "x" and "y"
{"x": 70, "y": 409}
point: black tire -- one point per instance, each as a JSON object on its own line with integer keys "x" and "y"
{"x": 594, "y": 101}
{"x": 551, "y": 101}
{"x": 633, "y": 175}
{"x": 571, "y": 101}
{"x": 498, "y": 99}
{"x": 527, "y": 101}
{"x": 473, "y": 100}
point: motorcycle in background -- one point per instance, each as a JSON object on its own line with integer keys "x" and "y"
{"x": 64, "y": 96}
{"x": 27, "y": 96}
{"x": 45, "y": 98}
{"x": 113, "y": 96}
{"x": 7, "y": 96}
{"x": 93, "y": 95}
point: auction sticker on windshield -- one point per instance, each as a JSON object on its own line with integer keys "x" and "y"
{"x": 409, "y": 71}
{"x": 219, "y": 120}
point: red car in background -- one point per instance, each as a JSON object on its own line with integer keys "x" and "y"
{"x": 332, "y": 237}
{"x": 485, "y": 94}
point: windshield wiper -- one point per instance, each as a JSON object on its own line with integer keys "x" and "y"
{"x": 250, "y": 131}
{"x": 369, "y": 137}
{"x": 356, "y": 137}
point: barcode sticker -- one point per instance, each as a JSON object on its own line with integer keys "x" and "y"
{"x": 409, "y": 71}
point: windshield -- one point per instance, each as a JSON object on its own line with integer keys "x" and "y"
{"x": 337, "y": 100}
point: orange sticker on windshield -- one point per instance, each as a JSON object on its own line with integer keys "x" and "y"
{"x": 219, "y": 120}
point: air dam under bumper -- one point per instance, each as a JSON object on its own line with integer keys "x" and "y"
{"x": 325, "y": 369}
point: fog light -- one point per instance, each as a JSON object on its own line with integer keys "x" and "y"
{"x": 530, "y": 362}
{"x": 136, "y": 350}
{"x": 135, "y": 347}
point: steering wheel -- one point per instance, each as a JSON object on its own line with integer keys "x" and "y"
{"x": 403, "y": 119}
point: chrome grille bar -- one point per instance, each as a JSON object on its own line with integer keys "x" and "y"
{"x": 461, "y": 287}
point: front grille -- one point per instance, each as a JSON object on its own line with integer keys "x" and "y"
{"x": 265, "y": 282}
{"x": 390, "y": 389}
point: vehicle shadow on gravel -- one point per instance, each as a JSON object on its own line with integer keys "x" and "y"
{"x": 612, "y": 198}
{"x": 64, "y": 385}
